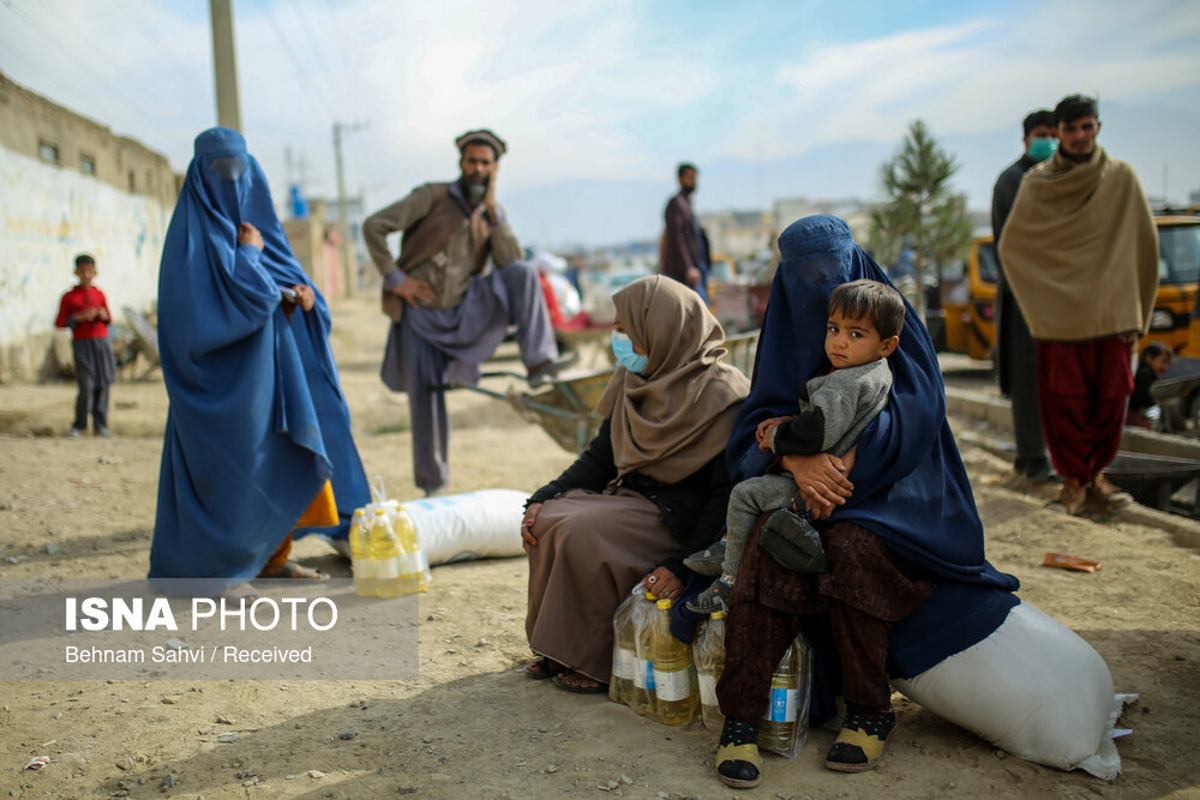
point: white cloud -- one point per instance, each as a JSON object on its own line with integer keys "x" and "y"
{"x": 443, "y": 70}
{"x": 591, "y": 89}
{"x": 420, "y": 73}
{"x": 973, "y": 77}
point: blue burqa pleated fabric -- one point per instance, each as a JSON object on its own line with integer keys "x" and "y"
{"x": 910, "y": 486}
{"x": 257, "y": 419}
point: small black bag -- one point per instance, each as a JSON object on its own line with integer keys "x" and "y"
{"x": 790, "y": 539}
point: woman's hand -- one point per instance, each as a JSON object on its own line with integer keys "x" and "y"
{"x": 822, "y": 480}
{"x": 527, "y": 538}
{"x": 248, "y": 234}
{"x": 662, "y": 583}
{"x": 305, "y": 297}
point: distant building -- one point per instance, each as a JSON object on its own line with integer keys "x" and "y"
{"x": 71, "y": 186}
{"x": 741, "y": 234}
{"x": 316, "y": 241}
{"x": 857, "y": 213}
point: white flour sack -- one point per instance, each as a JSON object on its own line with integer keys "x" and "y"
{"x": 463, "y": 527}
{"x": 1033, "y": 688}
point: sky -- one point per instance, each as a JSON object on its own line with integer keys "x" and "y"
{"x": 600, "y": 99}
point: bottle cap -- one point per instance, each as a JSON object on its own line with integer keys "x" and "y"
{"x": 664, "y": 604}
{"x": 718, "y": 615}
{"x": 649, "y": 596}
{"x": 379, "y": 512}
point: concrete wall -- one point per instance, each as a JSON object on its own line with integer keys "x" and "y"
{"x": 51, "y": 209}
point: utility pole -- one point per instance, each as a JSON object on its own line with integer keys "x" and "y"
{"x": 349, "y": 262}
{"x": 229, "y": 114}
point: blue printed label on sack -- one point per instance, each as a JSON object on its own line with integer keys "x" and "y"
{"x": 783, "y": 705}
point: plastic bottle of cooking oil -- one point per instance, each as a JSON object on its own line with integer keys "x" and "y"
{"x": 360, "y": 555}
{"x": 644, "y": 700}
{"x": 412, "y": 573}
{"x": 709, "y": 655}
{"x": 620, "y": 688}
{"x": 778, "y": 729}
{"x": 674, "y": 674}
{"x": 386, "y": 556}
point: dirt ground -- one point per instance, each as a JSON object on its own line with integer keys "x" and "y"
{"x": 472, "y": 725}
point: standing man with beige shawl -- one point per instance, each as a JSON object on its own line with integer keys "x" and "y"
{"x": 1080, "y": 251}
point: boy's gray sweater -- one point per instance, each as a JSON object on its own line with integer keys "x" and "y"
{"x": 839, "y": 407}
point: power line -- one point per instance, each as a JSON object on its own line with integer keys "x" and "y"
{"x": 328, "y": 69}
{"x": 332, "y": 10}
{"x": 362, "y": 109}
{"x": 298, "y": 8}
{"x": 89, "y": 69}
{"x": 154, "y": 36}
{"x": 287, "y": 49}
{"x": 344, "y": 71}
{"x": 11, "y": 51}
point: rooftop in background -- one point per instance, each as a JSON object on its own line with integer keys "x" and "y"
{"x": 37, "y": 127}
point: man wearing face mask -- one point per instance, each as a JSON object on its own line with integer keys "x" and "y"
{"x": 1080, "y": 251}
{"x": 684, "y": 252}
{"x": 1016, "y": 357}
{"x": 449, "y": 312}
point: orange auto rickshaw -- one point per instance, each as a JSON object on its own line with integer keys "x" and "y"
{"x": 1175, "y": 321}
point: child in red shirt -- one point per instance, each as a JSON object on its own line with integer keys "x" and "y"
{"x": 85, "y": 311}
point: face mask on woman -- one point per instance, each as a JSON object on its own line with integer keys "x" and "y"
{"x": 622, "y": 347}
{"x": 1042, "y": 148}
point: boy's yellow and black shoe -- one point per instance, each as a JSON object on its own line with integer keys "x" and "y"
{"x": 860, "y": 742}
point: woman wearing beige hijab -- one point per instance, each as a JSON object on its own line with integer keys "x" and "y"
{"x": 650, "y": 488}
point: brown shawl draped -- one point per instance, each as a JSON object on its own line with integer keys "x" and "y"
{"x": 1080, "y": 250}
{"x": 676, "y": 416}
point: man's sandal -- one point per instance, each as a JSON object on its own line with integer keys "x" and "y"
{"x": 860, "y": 743}
{"x": 739, "y": 764}
{"x": 542, "y": 668}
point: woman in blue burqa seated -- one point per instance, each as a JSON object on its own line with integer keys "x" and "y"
{"x": 907, "y": 583}
{"x": 257, "y": 443}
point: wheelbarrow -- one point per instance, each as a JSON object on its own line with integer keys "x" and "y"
{"x": 1153, "y": 479}
{"x": 146, "y": 337}
{"x": 563, "y": 408}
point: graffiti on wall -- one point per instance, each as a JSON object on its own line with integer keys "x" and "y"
{"x": 48, "y": 215}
